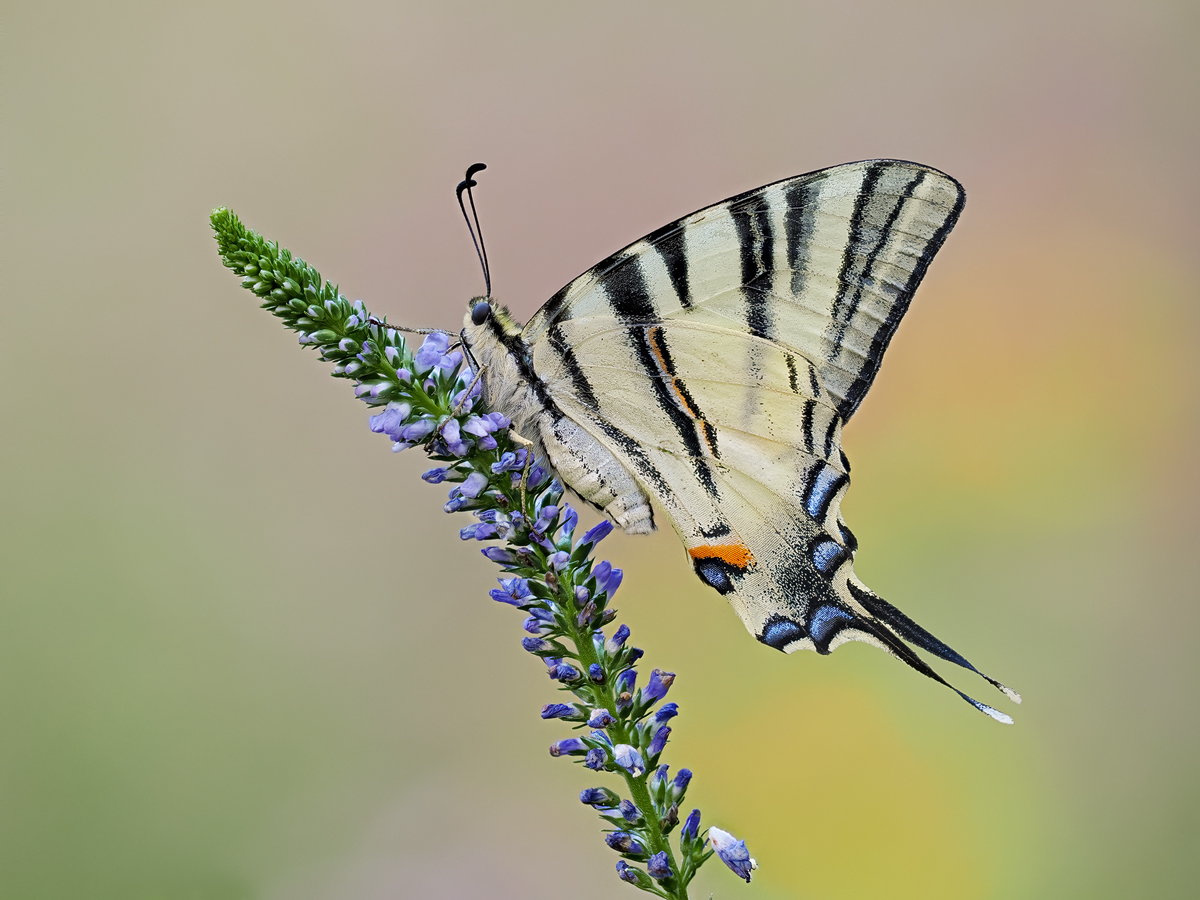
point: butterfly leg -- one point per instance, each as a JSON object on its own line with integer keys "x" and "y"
{"x": 528, "y": 445}
{"x": 467, "y": 393}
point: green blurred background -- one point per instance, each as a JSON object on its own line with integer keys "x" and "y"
{"x": 244, "y": 655}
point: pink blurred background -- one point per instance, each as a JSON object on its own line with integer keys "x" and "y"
{"x": 242, "y": 652}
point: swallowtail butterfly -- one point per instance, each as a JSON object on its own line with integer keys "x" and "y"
{"x": 711, "y": 366}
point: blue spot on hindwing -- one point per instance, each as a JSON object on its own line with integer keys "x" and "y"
{"x": 824, "y": 488}
{"x": 779, "y": 632}
{"x": 824, "y": 621}
{"x": 712, "y": 573}
{"x": 827, "y": 555}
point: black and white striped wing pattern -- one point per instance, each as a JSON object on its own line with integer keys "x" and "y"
{"x": 824, "y": 264}
{"x": 718, "y": 358}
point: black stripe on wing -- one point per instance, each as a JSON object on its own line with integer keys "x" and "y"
{"x": 876, "y": 211}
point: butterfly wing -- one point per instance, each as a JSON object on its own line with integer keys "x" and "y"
{"x": 729, "y": 348}
{"x": 824, "y": 263}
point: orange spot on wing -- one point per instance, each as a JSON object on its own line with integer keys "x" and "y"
{"x": 736, "y": 555}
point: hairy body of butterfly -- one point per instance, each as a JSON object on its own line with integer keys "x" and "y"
{"x": 711, "y": 365}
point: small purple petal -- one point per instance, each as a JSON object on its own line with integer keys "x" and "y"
{"x": 600, "y": 718}
{"x": 660, "y": 683}
{"x": 732, "y": 852}
{"x": 596, "y": 760}
{"x": 599, "y": 797}
{"x": 566, "y": 673}
{"x": 630, "y": 812}
{"x": 660, "y": 740}
{"x": 617, "y": 641}
{"x": 691, "y": 827}
{"x": 596, "y": 673}
{"x": 474, "y": 485}
{"x": 666, "y": 712}
{"x": 624, "y": 842}
{"x": 658, "y": 867}
{"x": 560, "y": 711}
{"x": 629, "y": 759}
{"x": 626, "y": 872}
{"x": 597, "y": 534}
{"x": 568, "y": 747}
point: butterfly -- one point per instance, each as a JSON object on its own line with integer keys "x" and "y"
{"x": 711, "y": 366}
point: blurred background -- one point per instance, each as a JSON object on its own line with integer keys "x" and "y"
{"x": 243, "y": 653}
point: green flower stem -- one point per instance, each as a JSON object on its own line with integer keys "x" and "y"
{"x": 638, "y": 791}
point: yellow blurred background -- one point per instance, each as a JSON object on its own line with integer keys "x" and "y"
{"x": 243, "y": 653}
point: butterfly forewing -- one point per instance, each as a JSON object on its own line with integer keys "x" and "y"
{"x": 824, "y": 264}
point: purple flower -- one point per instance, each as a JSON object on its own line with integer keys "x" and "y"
{"x": 435, "y": 476}
{"x": 634, "y": 654}
{"x": 481, "y": 532}
{"x": 657, "y": 779}
{"x": 598, "y": 533}
{"x": 545, "y": 518}
{"x": 567, "y": 711}
{"x": 498, "y": 555}
{"x": 682, "y": 778}
{"x": 404, "y": 375}
{"x": 451, "y": 433}
{"x": 617, "y": 641}
{"x": 613, "y": 582}
{"x": 391, "y": 420}
{"x": 632, "y": 814}
{"x": 596, "y": 760}
{"x": 510, "y": 461}
{"x": 489, "y": 423}
{"x": 624, "y": 842}
{"x": 732, "y": 852}
{"x": 433, "y": 354}
{"x": 658, "y": 867}
{"x": 666, "y": 712}
{"x": 417, "y": 431}
{"x": 512, "y": 590}
{"x": 559, "y": 560}
{"x": 539, "y": 620}
{"x": 626, "y": 680}
{"x": 626, "y": 872}
{"x": 537, "y": 476}
{"x": 570, "y": 518}
{"x": 660, "y": 683}
{"x": 599, "y": 797}
{"x": 568, "y": 747}
{"x": 565, "y": 673}
{"x": 596, "y": 673}
{"x": 600, "y": 718}
{"x": 690, "y": 827}
{"x": 538, "y": 647}
{"x": 660, "y": 741}
{"x": 582, "y": 595}
{"x": 629, "y": 759}
{"x": 474, "y": 485}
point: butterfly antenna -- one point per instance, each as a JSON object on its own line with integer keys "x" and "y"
{"x": 385, "y": 324}
{"x": 480, "y": 250}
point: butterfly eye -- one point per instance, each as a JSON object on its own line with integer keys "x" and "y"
{"x": 480, "y": 312}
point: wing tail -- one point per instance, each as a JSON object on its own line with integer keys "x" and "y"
{"x": 901, "y": 651}
{"x": 915, "y": 634}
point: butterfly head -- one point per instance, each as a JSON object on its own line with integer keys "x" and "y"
{"x": 480, "y": 310}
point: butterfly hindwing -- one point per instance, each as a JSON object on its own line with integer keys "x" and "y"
{"x": 744, "y": 439}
